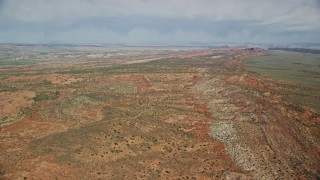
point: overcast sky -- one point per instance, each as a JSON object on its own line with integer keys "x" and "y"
{"x": 160, "y": 21}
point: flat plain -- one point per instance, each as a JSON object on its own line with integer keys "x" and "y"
{"x": 104, "y": 112}
{"x": 301, "y": 68}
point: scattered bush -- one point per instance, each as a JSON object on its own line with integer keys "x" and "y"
{"x": 42, "y": 96}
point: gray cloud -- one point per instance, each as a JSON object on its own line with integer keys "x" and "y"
{"x": 165, "y": 20}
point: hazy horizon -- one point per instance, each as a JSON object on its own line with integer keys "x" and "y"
{"x": 159, "y": 22}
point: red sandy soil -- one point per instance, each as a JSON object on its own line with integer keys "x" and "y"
{"x": 11, "y": 103}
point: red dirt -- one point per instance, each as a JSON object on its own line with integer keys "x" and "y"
{"x": 11, "y": 103}
{"x": 43, "y": 167}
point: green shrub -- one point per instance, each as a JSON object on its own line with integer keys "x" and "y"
{"x": 42, "y": 96}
